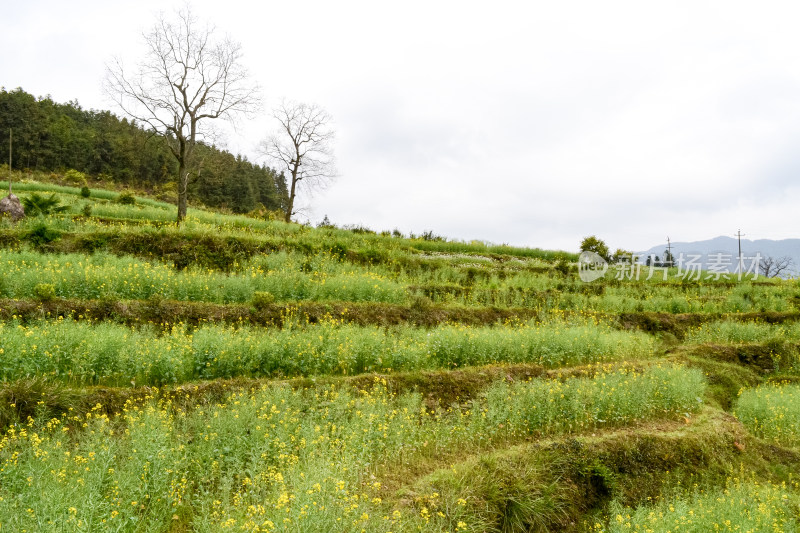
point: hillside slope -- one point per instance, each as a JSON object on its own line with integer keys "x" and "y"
{"x": 242, "y": 374}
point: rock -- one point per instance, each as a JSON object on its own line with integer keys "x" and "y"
{"x": 11, "y": 206}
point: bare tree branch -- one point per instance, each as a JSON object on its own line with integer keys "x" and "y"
{"x": 772, "y": 267}
{"x": 303, "y": 145}
{"x": 186, "y": 78}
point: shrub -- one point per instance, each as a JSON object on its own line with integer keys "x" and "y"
{"x": 37, "y": 204}
{"x": 44, "y": 292}
{"x": 262, "y": 300}
{"x": 275, "y": 214}
{"x": 339, "y": 251}
{"x": 359, "y": 229}
{"x": 421, "y": 303}
{"x": 85, "y": 192}
{"x": 623, "y": 256}
{"x": 75, "y": 177}
{"x": 87, "y": 210}
{"x": 431, "y": 236}
{"x": 41, "y": 234}
{"x": 372, "y": 256}
{"x": 167, "y": 192}
{"x": 126, "y": 198}
{"x": 563, "y": 267}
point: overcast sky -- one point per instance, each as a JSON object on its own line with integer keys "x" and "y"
{"x": 528, "y": 123}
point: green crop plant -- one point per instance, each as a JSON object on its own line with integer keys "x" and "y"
{"x": 276, "y": 457}
{"x": 772, "y": 412}
{"x": 111, "y": 354}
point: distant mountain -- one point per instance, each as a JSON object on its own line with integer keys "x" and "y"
{"x": 724, "y": 252}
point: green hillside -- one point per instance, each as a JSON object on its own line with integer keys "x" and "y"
{"x": 51, "y": 138}
{"x": 242, "y": 374}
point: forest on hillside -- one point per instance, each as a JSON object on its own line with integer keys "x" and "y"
{"x": 52, "y": 137}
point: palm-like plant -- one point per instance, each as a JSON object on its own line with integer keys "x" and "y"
{"x": 37, "y": 204}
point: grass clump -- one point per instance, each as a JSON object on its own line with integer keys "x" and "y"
{"x": 742, "y": 505}
{"x": 126, "y": 198}
{"x": 41, "y": 234}
{"x": 44, "y": 292}
{"x": 772, "y": 412}
{"x": 262, "y": 300}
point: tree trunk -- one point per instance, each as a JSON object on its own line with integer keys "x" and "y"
{"x": 183, "y": 154}
{"x": 183, "y": 186}
{"x": 290, "y": 207}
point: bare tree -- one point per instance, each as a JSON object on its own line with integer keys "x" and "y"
{"x": 186, "y": 78}
{"x": 772, "y": 267}
{"x": 303, "y": 146}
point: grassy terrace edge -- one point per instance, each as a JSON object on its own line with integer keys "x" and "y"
{"x": 244, "y": 223}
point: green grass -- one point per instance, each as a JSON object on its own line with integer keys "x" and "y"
{"x": 743, "y": 505}
{"x": 743, "y": 332}
{"x": 704, "y": 298}
{"x": 771, "y": 347}
{"x": 25, "y": 186}
{"x": 78, "y": 352}
{"x": 201, "y": 218}
{"x": 296, "y": 460}
{"x": 510, "y": 424}
{"x": 608, "y": 399}
{"x": 125, "y": 278}
{"x": 323, "y": 276}
{"x": 772, "y": 412}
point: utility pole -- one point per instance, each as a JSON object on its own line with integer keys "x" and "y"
{"x": 739, "y": 235}
{"x": 669, "y": 254}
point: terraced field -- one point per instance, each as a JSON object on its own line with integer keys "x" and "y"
{"x": 248, "y": 375}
